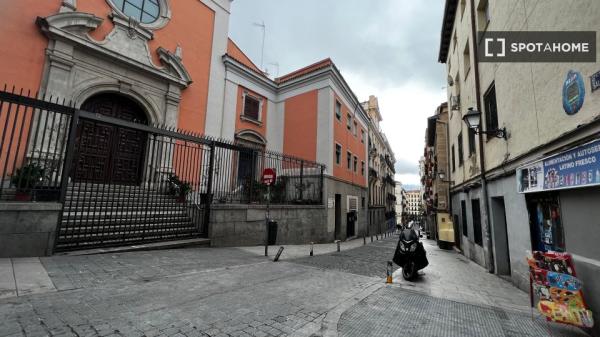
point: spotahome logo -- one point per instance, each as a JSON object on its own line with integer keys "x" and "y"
{"x": 499, "y": 46}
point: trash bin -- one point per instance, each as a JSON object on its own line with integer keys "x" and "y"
{"x": 272, "y": 238}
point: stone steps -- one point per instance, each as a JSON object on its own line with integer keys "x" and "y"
{"x": 104, "y": 216}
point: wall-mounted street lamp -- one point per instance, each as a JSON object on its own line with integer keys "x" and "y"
{"x": 442, "y": 176}
{"x": 473, "y": 121}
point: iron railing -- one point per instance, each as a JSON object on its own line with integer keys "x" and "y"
{"x": 126, "y": 182}
{"x": 33, "y": 140}
{"x": 238, "y": 172}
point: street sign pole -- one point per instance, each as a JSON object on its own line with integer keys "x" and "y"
{"x": 268, "y": 178}
{"x": 267, "y": 220}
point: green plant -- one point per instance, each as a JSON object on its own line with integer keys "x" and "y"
{"x": 257, "y": 191}
{"x": 27, "y": 177}
{"x": 178, "y": 187}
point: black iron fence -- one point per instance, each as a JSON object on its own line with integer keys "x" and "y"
{"x": 238, "y": 177}
{"x": 126, "y": 182}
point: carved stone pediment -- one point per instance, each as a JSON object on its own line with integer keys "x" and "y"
{"x": 173, "y": 62}
{"x": 74, "y": 22}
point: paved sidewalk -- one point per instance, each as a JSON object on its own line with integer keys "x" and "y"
{"x": 23, "y": 276}
{"x": 392, "y": 311}
{"x": 452, "y": 297}
{"x": 452, "y": 276}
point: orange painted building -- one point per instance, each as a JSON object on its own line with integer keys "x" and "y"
{"x": 311, "y": 114}
{"x": 77, "y": 49}
{"x": 172, "y": 62}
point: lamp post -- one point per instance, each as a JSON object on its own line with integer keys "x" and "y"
{"x": 473, "y": 120}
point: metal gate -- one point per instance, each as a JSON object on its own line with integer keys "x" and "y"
{"x": 169, "y": 200}
{"x": 45, "y": 157}
{"x": 160, "y": 188}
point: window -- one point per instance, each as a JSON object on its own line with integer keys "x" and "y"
{"x": 491, "y": 110}
{"x": 483, "y": 14}
{"x": 251, "y": 107}
{"x": 355, "y": 164}
{"x": 338, "y": 154}
{"x": 349, "y": 125}
{"x": 355, "y": 128}
{"x": 338, "y": 110}
{"x": 362, "y": 168}
{"x": 476, "y": 221}
{"x": 463, "y": 209}
{"x": 471, "y": 141}
{"x": 362, "y": 136}
{"x": 460, "y": 149}
{"x": 144, "y": 11}
{"x": 349, "y": 160}
{"x": 453, "y": 159}
{"x": 466, "y": 60}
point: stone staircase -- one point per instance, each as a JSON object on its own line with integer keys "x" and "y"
{"x": 96, "y": 215}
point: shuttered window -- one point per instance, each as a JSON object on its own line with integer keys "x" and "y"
{"x": 251, "y": 107}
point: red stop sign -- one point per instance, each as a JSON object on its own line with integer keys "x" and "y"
{"x": 269, "y": 176}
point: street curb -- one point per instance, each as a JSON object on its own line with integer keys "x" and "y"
{"x": 329, "y": 326}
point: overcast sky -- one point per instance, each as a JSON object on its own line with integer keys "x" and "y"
{"x": 386, "y": 48}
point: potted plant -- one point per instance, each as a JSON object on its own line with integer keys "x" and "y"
{"x": 25, "y": 179}
{"x": 179, "y": 188}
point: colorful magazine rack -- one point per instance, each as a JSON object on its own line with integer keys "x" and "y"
{"x": 558, "y": 290}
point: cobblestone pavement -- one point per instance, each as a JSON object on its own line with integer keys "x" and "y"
{"x": 369, "y": 260}
{"x": 195, "y": 292}
{"x": 392, "y": 311}
{"x": 452, "y": 297}
{"x": 449, "y": 274}
{"x": 238, "y": 292}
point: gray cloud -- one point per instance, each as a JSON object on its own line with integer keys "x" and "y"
{"x": 387, "y": 48}
{"x": 388, "y": 42}
{"x": 404, "y": 166}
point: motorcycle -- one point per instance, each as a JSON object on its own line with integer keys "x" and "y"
{"x": 410, "y": 253}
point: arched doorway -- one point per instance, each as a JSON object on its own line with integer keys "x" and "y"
{"x": 108, "y": 153}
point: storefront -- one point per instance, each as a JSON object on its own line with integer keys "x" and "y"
{"x": 562, "y": 193}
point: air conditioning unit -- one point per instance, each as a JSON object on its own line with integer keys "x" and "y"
{"x": 455, "y": 102}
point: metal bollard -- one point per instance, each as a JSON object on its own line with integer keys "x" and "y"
{"x": 311, "y": 249}
{"x": 364, "y": 240}
{"x": 371, "y": 238}
{"x": 389, "y": 272}
{"x": 278, "y": 254}
{"x": 338, "y": 244}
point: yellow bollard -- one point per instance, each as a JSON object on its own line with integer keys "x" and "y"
{"x": 389, "y": 272}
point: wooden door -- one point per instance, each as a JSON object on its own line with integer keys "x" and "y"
{"x": 106, "y": 152}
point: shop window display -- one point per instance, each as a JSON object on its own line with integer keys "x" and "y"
{"x": 545, "y": 222}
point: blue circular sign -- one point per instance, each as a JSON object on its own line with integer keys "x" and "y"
{"x": 573, "y": 92}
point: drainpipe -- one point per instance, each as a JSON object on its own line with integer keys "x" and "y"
{"x": 484, "y": 191}
{"x": 448, "y": 199}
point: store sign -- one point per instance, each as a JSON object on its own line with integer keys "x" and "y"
{"x": 579, "y": 167}
{"x": 595, "y": 80}
{"x": 573, "y": 92}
